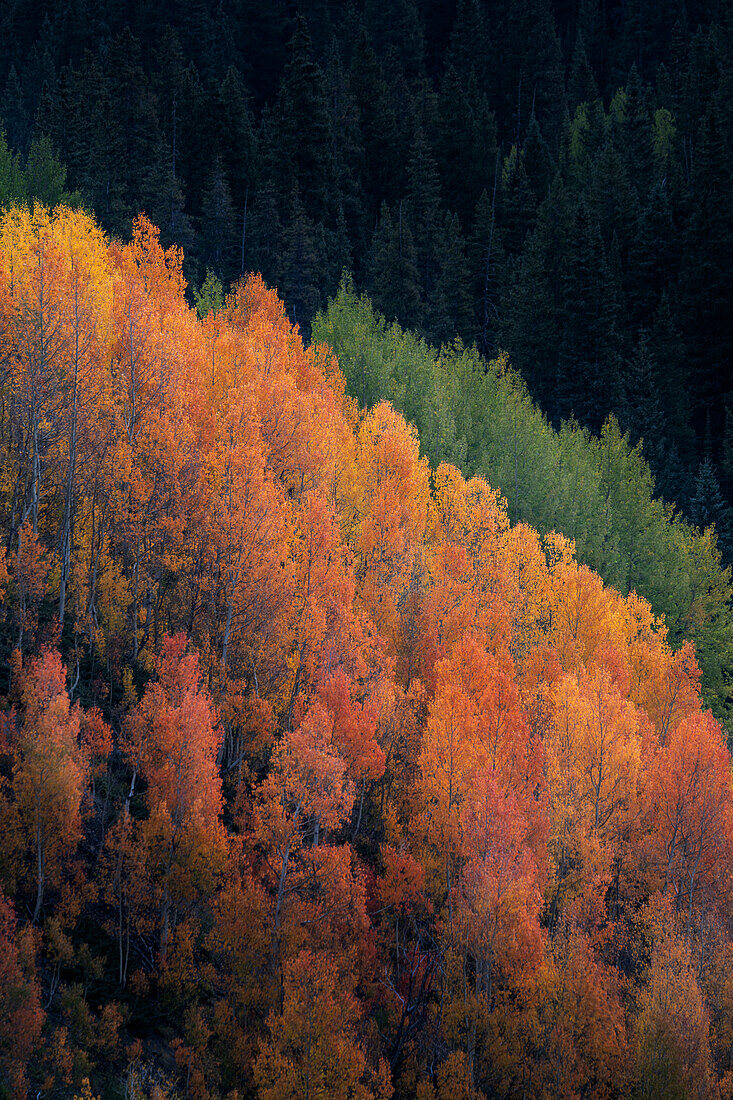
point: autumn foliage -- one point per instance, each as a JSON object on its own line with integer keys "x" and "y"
{"x": 318, "y": 778}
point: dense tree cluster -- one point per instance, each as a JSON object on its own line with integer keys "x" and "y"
{"x": 319, "y": 777}
{"x": 550, "y": 177}
{"x": 597, "y": 490}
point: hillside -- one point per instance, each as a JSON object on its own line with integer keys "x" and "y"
{"x": 320, "y": 774}
{"x": 597, "y": 490}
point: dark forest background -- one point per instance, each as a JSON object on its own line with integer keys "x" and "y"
{"x": 548, "y": 178}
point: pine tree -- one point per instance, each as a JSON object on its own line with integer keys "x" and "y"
{"x": 423, "y": 208}
{"x": 45, "y": 175}
{"x": 465, "y": 145}
{"x": 13, "y": 113}
{"x": 537, "y": 162}
{"x": 218, "y": 226}
{"x": 589, "y": 366}
{"x": 305, "y": 125}
{"x": 486, "y": 263}
{"x": 582, "y": 86}
{"x": 12, "y": 177}
{"x": 449, "y": 311}
{"x": 382, "y": 175}
{"x": 393, "y": 279}
{"x": 266, "y": 242}
{"x": 302, "y": 267}
{"x": 709, "y": 506}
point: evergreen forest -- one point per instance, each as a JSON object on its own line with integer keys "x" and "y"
{"x": 366, "y": 533}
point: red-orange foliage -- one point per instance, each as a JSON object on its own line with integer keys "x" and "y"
{"x": 390, "y": 790}
{"x": 21, "y": 1017}
{"x": 49, "y": 773}
{"x": 172, "y": 741}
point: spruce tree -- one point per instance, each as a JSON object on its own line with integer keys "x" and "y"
{"x": 705, "y": 285}
{"x": 45, "y": 176}
{"x": 393, "y": 278}
{"x": 589, "y": 365}
{"x": 613, "y": 202}
{"x": 582, "y": 86}
{"x": 265, "y": 251}
{"x": 233, "y": 137}
{"x": 469, "y": 47}
{"x": 12, "y": 177}
{"x": 302, "y": 267}
{"x": 537, "y": 162}
{"x": 709, "y": 506}
{"x": 423, "y": 207}
{"x": 305, "y": 125}
{"x": 518, "y": 201}
{"x": 449, "y": 312}
{"x": 381, "y": 175}
{"x": 486, "y": 263}
{"x": 635, "y": 136}
{"x": 13, "y": 112}
{"x": 534, "y": 302}
{"x": 642, "y": 414}
{"x": 673, "y": 378}
{"x": 210, "y": 298}
{"x": 218, "y": 226}
{"x": 653, "y": 256}
{"x": 348, "y": 157}
{"x": 465, "y": 145}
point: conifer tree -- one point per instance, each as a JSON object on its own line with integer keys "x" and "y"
{"x": 635, "y": 136}
{"x": 465, "y": 146}
{"x": 582, "y": 86}
{"x": 218, "y": 225}
{"x": 709, "y": 506}
{"x": 423, "y": 206}
{"x": 449, "y": 311}
{"x": 382, "y": 176}
{"x": 302, "y": 267}
{"x": 265, "y": 250}
{"x": 537, "y": 162}
{"x": 642, "y": 416}
{"x": 393, "y": 277}
{"x": 13, "y": 112}
{"x": 589, "y": 369}
{"x": 486, "y": 265}
{"x": 305, "y": 125}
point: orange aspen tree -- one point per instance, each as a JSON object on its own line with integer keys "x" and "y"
{"x": 50, "y": 772}
{"x": 172, "y": 741}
